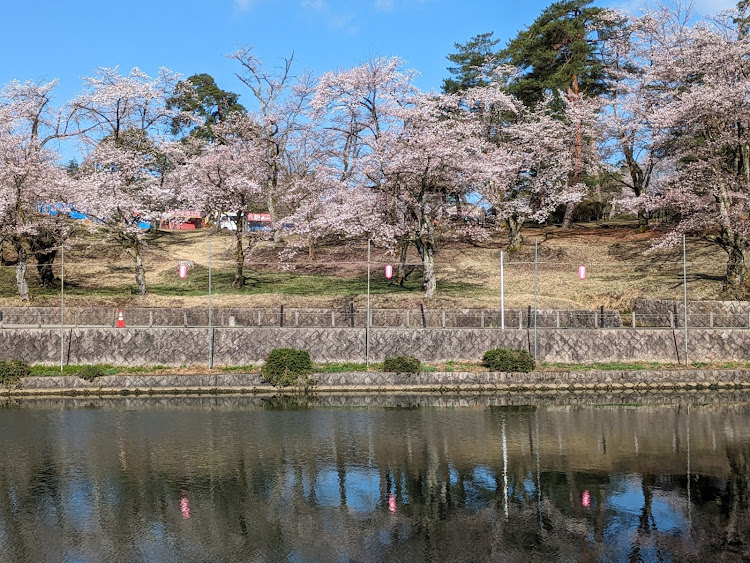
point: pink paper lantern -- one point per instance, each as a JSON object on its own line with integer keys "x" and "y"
{"x": 582, "y": 272}
{"x": 388, "y": 271}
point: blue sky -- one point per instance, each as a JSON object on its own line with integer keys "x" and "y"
{"x": 47, "y": 39}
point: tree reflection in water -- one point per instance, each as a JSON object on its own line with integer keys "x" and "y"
{"x": 244, "y": 479}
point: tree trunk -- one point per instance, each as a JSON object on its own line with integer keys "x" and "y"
{"x": 573, "y": 96}
{"x": 140, "y": 273}
{"x": 736, "y": 276}
{"x": 570, "y": 208}
{"x": 427, "y": 253}
{"x": 239, "y": 252}
{"x": 403, "y": 270}
{"x": 23, "y": 288}
{"x": 44, "y": 261}
{"x": 514, "y": 233}
{"x": 642, "y": 219}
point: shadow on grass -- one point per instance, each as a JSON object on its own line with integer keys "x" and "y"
{"x": 257, "y": 283}
{"x": 290, "y": 283}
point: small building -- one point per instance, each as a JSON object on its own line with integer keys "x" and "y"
{"x": 183, "y": 220}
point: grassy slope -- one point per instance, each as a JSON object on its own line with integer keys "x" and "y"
{"x": 620, "y": 267}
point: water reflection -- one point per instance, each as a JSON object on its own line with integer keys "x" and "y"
{"x": 243, "y": 479}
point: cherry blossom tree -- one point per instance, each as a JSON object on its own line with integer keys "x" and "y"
{"x": 123, "y": 175}
{"x": 409, "y": 151}
{"x": 534, "y": 162}
{"x": 228, "y": 175}
{"x": 701, "y": 74}
{"x": 628, "y": 133}
{"x": 32, "y": 185}
{"x": 320, "y": 203}
{"x": 280, "y": 100}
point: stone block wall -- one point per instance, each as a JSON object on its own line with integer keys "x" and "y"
{"x": 665, "y": 380}
{"x": 242, "y": 346}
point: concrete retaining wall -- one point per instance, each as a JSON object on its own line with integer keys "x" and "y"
{"x": 242, "y": 346}
{"x": 374, "y": 381}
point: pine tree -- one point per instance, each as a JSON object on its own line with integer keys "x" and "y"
{"x": 474, "y": 61}
{"x": 561, "y": 53}
{"x": 200, "y": 96}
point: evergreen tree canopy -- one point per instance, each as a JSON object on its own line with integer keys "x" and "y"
{"x": 560, "y": 51}
{"x": 200, "y": 96}
{"x": 474, "y": 60}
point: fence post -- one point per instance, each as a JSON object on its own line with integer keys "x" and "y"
{"x": 260, "y": 317}
{"x": 481, "y": 322}
{"x": 671, "y": 319}
{"x": 632, "y": 318}
{"x": 296, "y": 318}
{"x": 711, "y": 319}
{"x": 281, "y": 317}
{"x": 424, "y": 319}
{"x": 557, "y": 319}
{"x": 184, "y": 318}
{"x": 520, "y": 319}
{"x": 601, "y": 315}
{"x": 351, "y": 314}
{"x": 75, "y": 319}
{"x": 443, "y": 318}
{"x": 407, "y": 318}
{"x": 333, "y": 319}
{"x": 150, "y": 318}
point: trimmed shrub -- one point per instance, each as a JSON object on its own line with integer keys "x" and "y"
{"x": 402, "y": 364}
{"x": 504, "y": 359}
{"x": 13, "y": 370}
{"x": 287, "y": 366}
{"x": 90, "y": 373}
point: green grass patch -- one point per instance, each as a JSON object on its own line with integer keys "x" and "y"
{"x": 608, "y": 366}
{"x": 339, "y": 367}
{"x": 460, "y": 366}
{"x": 104, "y": 369}
{"x": 249, "y": 368}
{"x": 257, "y": 283}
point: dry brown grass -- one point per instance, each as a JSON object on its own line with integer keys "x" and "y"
{"x": 620, "y": 267}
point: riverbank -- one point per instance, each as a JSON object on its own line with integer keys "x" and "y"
{"x": 379, "y": 382}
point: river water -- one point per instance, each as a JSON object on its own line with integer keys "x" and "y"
{"x": 375, "y": 479}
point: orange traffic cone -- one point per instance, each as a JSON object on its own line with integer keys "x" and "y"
{"x": 120, "y": 320}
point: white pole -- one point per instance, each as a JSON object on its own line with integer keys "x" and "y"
{"x": 502, "y": 292}
{"x": 62, "y": 305}
{"x": 367, "y": 322}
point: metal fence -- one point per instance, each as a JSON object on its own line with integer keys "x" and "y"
{"x": 309, "y": 317}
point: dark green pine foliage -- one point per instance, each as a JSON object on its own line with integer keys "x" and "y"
{"x": 742, "y": 20}
{"x": 560, "y": 51}
{"x": 200, "y": 96}
{"x": 473, "y": 61}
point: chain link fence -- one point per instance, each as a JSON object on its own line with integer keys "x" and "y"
{"x": 309, "y": 317}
